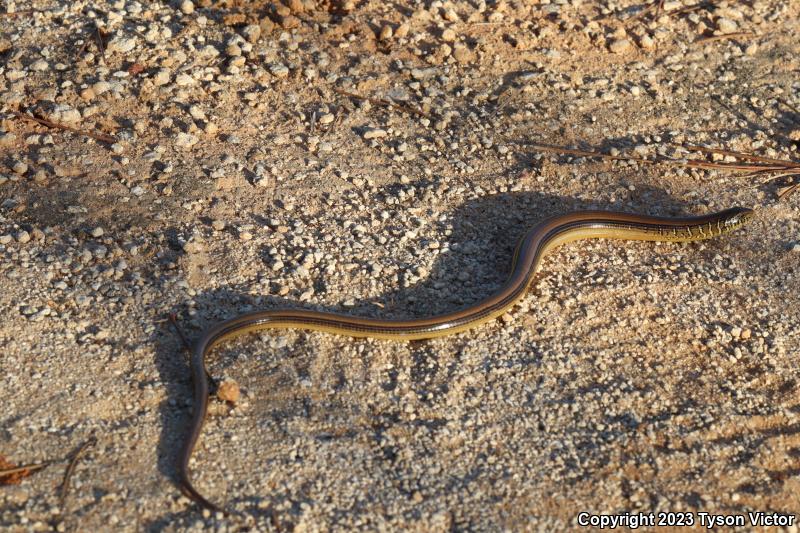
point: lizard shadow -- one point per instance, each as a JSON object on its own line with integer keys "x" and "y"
{"x": 481, "y": 235}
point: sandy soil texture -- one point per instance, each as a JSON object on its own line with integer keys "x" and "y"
{"x": 207, "y": 158}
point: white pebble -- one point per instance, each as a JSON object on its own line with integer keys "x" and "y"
{"x": 23, "y": 236}
{"x": 726, "y": 25}
{"x": 121, "y": 44}
{"x": 374, "y": 133}
{"x": 185, "y": 140}
{"x": 184, "y": 80}
{"x": 65, "y": 113}
{"x": 620, "y": 46}
{"x": 162, "y": 76}
{"x": 279, "y": 70}
{"x": 40, "y": 65}
{"x": 101, "y": 87}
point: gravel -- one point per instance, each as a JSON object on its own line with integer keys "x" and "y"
{"x": 632, "y": 377}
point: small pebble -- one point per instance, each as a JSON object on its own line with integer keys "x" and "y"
{"x": 19, "y": 167}
{"x": 184, "y": 80}
{"x": 162, "y": 76}
{"x": 620, "y": 46}
{"x": 296, "y": 6}
{"x": 7, "y": 139}
{"x": 40, "y": 65}
{"x": 251, "y": 32}
{"x": 233, "y": 50}
{"x": 402, "y": 30}
{"x": 185, "y": 140}
{"x": 647, "y": 42}
{"x": 279, "y": 70}
{"x": 101, "y": 87}
{"x": 726, "y": 25}
{"x": 374, "y": 133}
{"x": 22, "y": 236}
{"x": 187, "y": 7}
{"x": 121, "y": 44}
{"x": 228, "y": 391}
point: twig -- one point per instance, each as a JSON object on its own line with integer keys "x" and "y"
{"x": 18, "y": 13}
{"x": 740, "y": 155}
{"x": 587, "y": 153}
{"x": 174, "y": 321}
{"x": 786, "y": 191}
{"x": 643, "y": 13}
{"x": 736, "y": 35}
{"x": 25, "y": 470}
{"x": 383, "y": 102}
{"x": 785, "y": 168}
{"x": 71, "y": 467}
{"x": 774, "y": 176}
{"x": 692, "y": 163}
{"x": 50, "y": 124}
{"x": 727, "y": 166}
{"x": 83, "y": 47}
{"x": 98, "y": 37}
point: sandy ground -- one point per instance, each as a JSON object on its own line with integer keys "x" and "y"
{"x": 379, "y": 158}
